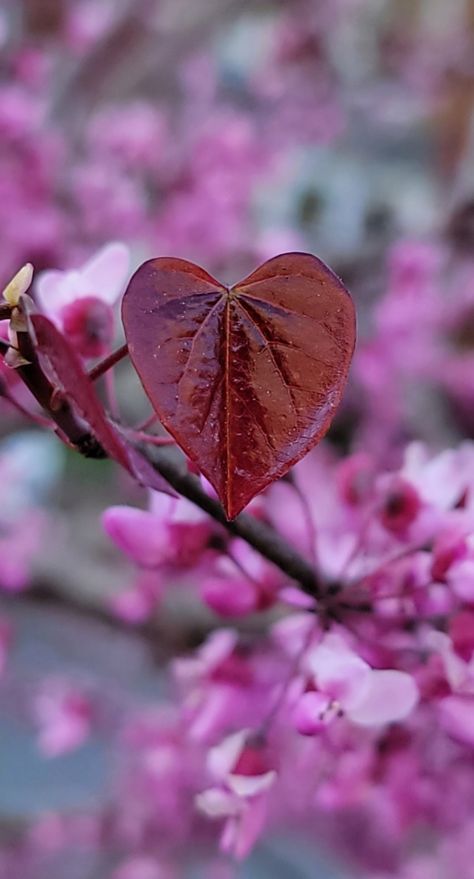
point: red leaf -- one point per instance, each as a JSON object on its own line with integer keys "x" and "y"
{"x": 247, "y": 378}
{"x": 64, "y": 369}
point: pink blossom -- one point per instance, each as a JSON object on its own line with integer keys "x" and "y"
{"x": 137, "y": 603}
{"x": 80, "y": 301}
{"x": 461, "y": 631}
{"x": 400, "y": 506}
{"x": 20, "y": 543}
{"x": 456, "y": 714}
{"x": 135, "y": 139}
{"x": 367, "y": 696}
{"x": 63, "y": 715}
{"x": 217, "y": 686}
{"x": 240, "y": 583}
{"x": 230, "y": 597}
{"x": 172, "y": 532}
{"x": 245, "y": 777}
{"x": 441, "y": 479}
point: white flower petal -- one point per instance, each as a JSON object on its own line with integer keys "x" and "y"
{"x": 223, "y": 757}
{"x": 338, "y": 671}
{"x": 217, "y": 803}
{"x": 250, "y": 785}
{"x": 55, "y": 289}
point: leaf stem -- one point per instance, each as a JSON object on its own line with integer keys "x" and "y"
{"x": 151, "y": 439}
{"x": 108, "y": 362}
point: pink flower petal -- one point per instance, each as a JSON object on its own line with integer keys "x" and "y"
{"x": 242, "y": 832}
{"x": 137, "y": 534}
{"x": 338, "y": 671}
{"x": 312, "y": 713}
{"x": 55, "y": 289}
{"x": 456, "y": 714}
{"x": 229, "y": 598}
{"x": 390, "y": 697}
{"x": 223, "y": 757}
{"x": 104, "y": 275}
{"x": 217, "y": 647}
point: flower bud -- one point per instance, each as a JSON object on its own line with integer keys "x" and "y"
{"x": 18, "y": 285}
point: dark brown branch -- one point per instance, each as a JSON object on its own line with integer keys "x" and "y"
{"x": 59, "y": 409}
{"x": 5, "y": 310}
{"x": 262, "y": 537}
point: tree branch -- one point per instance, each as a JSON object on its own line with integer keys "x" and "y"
{"x": 259, "y": 535}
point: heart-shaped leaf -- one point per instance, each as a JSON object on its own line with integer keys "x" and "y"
{"x": 247, "y": 378}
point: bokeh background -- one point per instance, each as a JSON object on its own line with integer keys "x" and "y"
{"x": 223, "y": 131}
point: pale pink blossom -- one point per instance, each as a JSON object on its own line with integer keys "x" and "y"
{"x": 80, "y": 301}
{"x": 239, "y": 766}
{"x": 365, "y": 695}
{"x": 63, "y": 715}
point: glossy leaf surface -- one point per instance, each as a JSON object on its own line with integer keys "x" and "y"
{"x": 247, "y": 378}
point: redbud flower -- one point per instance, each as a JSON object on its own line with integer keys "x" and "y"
{"x": 80, "y": 301}
{"x": 367, "y": 696}
{"x": 400, "y": 506}
{"x": 241, "y": 767}
{"x": 171, "y": 532}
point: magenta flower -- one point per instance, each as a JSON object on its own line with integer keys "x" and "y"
{"x": 172, "y": 532}
{"x": 240, "y": 582}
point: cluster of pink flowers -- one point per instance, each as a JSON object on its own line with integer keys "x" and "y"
{"x": 361, "y": 714}
{"x": 419, "y": 355}
{"x": 324, "y": 718}
{"x": 137, "y": 170}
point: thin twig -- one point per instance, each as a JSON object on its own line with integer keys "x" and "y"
{"x": 108, "y": 362}
{"x": 140, "y": 436}
{"x": 258, "y": 534}
{"x": 148, "y": 422}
